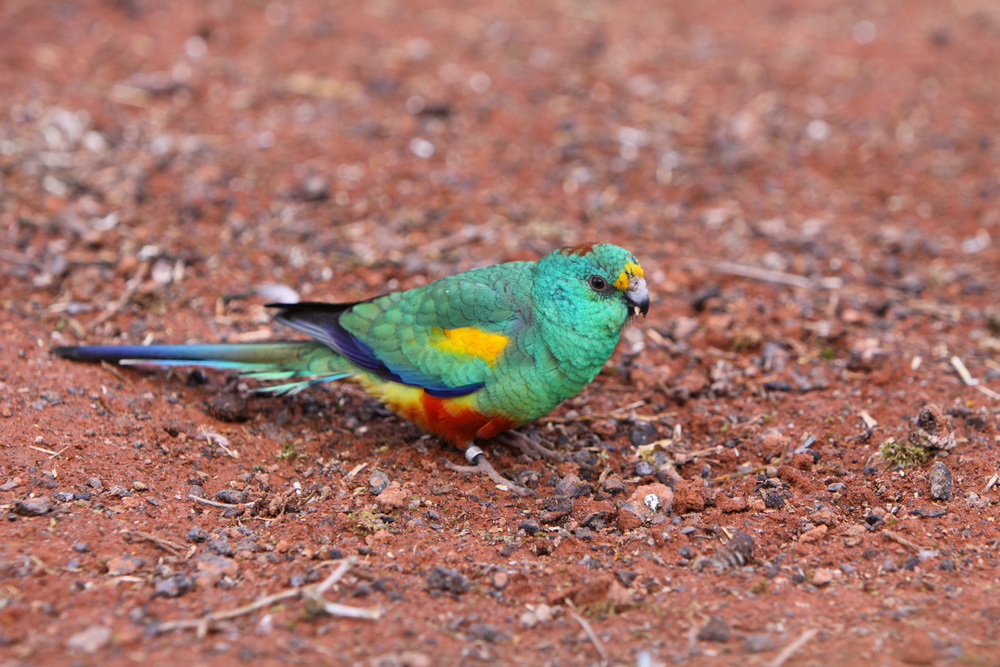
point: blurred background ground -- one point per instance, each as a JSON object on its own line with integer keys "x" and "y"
{"x": 812, "y": 188}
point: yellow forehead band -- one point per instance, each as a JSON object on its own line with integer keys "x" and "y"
{"x": 632, "y": 270}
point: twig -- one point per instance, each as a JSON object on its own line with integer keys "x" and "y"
{"x": 60, "y": 451}
{"x": 630, "y": 406}
{"x": 311, "y": 594}
{"x": 18, "y": 258}
{"x": 131, "y": 287}
{"x": 989, "y": 392}
{"x": 113, "y": 369}
{"x": 172, "y": 548}
{"x": 779, "y": 277}
{"x": 202, "y": 623}
{"x": 594, "y": 416}
{"x": 215, "y": 503}
{"x": 899, "y": 539}
{"x": 220, "y": 440}
{"x": 355, "y": 470}
{"x": 589, "y": 631}
{"x": 43, "y": 450}
{"x": 335, "y": 576}
{"x": 792, "y": 648}
{"x": 752, "y": 471}
{"x": 991, "y": 482}
{"x": 953, "y": 314}
{"x": 867, "y": 419}
{"x": 963, "y": 372}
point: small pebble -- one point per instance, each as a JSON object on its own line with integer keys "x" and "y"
{"x": 759, "y": 643}
{"x": 641, "y": 434}
{"x": 941, "y": 481}
{"x": 653, "y": 502}
{"x": 774, "y": 500}
{"x": 173, "y": 587}
{"x": 229, "y": 496}
{"x": 197, "y": 535}
{"x": 33, "y": 506}
{"x": 614, "y": 484}
{"x": 90, "y": 640}
{"x": 442, "y": 580}
{"x": 823, "y": 576}
{"x": 230, "y": 408}
{"x": 596, "y": 520}
{"x": 571, "y": 486}
{"x": 814, "y": 534}
{"x": 554, "y": 511}
{"x": 221, "y": 547}
{"x": 626, "y": 577}
{"x": 716, "y": 630}
{"x": 378, "y": 482}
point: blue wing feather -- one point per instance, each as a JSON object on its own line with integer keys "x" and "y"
{"x": 322, "y": 322}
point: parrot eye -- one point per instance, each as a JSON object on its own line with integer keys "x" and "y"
{"x": 598, "y": 283}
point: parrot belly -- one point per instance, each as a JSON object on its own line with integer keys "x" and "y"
{"x": 454, "y": 418}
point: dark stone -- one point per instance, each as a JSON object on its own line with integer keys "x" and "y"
{"x": 626, "y": 577}
{"x": 774, "y": 500}
{"x": 378, "y": 482}
{"x": 643, "y": 469}
{"x": 231, "y": 408}
{"x": 222, "y": 547}
{"x": 716, "y": 630}
{"x": 530, "y": 527}
{"x": 230, "y": 496}
{"x": 941, "y": 481}
{"x": 173, "y": 587}
{"x": 442, "y": 580}
{"x": 198, "y": 535}
{"x": 33, "y": 506}
{"x": 572, "y": 486}
{"x": 555, "y": 510}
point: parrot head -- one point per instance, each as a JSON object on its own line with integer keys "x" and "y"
{"x": 591, "y": 287}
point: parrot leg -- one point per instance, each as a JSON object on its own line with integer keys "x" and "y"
{"x": 528, "y": 446}
{"x": 483, "y": 466}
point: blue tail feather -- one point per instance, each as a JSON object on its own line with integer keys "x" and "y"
{"x": 278, "y": 360}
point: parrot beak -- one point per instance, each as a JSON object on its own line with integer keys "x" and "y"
{"x": 637, "y": 296}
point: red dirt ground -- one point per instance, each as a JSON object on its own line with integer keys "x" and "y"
{"x": 812, "y": 187}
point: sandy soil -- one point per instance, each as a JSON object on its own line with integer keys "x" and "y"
{"x": 812, "y": 187}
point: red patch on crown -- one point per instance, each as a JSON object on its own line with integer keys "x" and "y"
{"x": 580, "y": 249}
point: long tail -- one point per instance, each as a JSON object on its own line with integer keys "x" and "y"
{"x": 279, "y": 360}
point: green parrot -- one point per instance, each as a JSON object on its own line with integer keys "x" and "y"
{"x": 466, "y": 357}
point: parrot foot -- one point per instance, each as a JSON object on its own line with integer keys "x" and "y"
{"x": 482, "y": 466}
{"x": 528, "y": 446}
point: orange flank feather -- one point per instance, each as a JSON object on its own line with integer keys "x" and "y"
{"x": 454, "y": 419}
{"x": 471, "y": 341}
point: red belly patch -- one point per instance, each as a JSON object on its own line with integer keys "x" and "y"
{"x": 458, "y": 423}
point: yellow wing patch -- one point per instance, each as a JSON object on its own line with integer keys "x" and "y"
{"x": 471, "y": 341}
{"x": 632, "y": 270}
